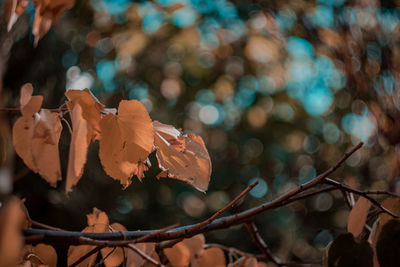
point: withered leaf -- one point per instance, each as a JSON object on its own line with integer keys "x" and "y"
{"x": 178, "y": 255}
{"x": 183, "y": 157}
{"x": 47, "y": 254}
{"x": 212, "y": 257}
{"x": 91, "y": 109}
{"x": 12, "y": 10}
{"x": 78, "y": 148}
{"x": 358, "y": 216}
{"x": 114, "y": 257}
{"x": 195, "y": 245}
{"x": 11, "y": 240}
{"x": 36, "y": 137}
{"x": 47, "y": 13}
{"x": 135, "y": 260}
{"x": 97, "y": 223}
{"x": 126, "y": 140}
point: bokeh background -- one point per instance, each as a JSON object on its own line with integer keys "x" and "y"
{"x": 278, "y": 90}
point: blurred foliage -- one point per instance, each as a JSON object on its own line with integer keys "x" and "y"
{"x": 278, "y": 89}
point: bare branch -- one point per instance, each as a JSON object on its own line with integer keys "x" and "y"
{"x": 259, "y": 241}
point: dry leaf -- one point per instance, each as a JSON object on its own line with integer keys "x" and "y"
{"x": 97, "y": 223}
{"x": 36, "y": 136}
{"x": 358, "y": 216}
{"x": 11, "y": 240}
{"x": 135, "y": 260}
{"x": 47, "y": 13}
{"x": 78, "y": 148}
{"x": 12, "y": 10}
{"x": 126, "y": 140}
{"x": 184, "y": 157}
{"x": 91, "y": 109}
{"x": 117, "y": 255}
{"x": 212, "y": 257}
{"x": 45, "y": 140}
{"x": 195, "y": 245}
{"x": 149, "y": 264}
{"x": 251, "y": 262}
{"x": 47, "y": 254}
{"x": 178, "y": 255}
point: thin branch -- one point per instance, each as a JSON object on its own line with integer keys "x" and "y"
{"x": 361, "y": 193}
{"x": 44, "y": 226}
{"x": 168, "y": 244}
{"x": 259, "y": 241}
{"x": 121, "y": 243}
{"x": 144, "y": 255}
{"x": 108, "y": 239}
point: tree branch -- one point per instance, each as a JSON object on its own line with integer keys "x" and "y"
{"x": 109, "y": 239}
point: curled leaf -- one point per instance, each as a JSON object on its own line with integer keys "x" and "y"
{"x": 78, "y": 148}
{"x": 126, "y": 141}
{"x": 47, "y": 13}
{"x": 183, "y": 157}
{"x": 47, "y": 254}
{"x": 91, "y": 109}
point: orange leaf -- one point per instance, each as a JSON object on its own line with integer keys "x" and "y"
{"x": 195, "y": 245}
{"x": 117, "y": 255}
{"x": 47, "y": 254}
{"x": 11, "y": 240}
{"x": 185, "y": 157}
{"x": 91, "y": 109}
{"x": 135, "y": 260}
{"x": 97, "y": 223}
{"x": 47, "y": 13}
{"x": 126, "y": 140}
{"x": 45, "y": 140}
{"x": 36, "y": 138}
{"x": 358, "y": 216}
{"x": 78, "y": 148}
{"x": 12, "y": 10}
{"x": 178, "y": 255}
{"x": 22, "y": 141}
{"x": 212, "y": 257}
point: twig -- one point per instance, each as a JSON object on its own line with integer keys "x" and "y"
{"x": 143, "y": 255}
{"x": 168, "y": 244}
{"x": 259, "y": 241}
{"x": 361, "y": 193}
{"x": 107, "y": 239}
{"x": 44, "y": 226}
{"x": 120, "y": 243}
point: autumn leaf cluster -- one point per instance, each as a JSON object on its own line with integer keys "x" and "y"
{"x": 126, "y": 137}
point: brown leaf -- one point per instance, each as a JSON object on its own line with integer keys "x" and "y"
{"x": 22, "y": 140}
{"x": 47, "y": 254}
{"x": 251, "y": 262}
{"x": 36, "y": 138}
{"x": 178, "y": 255}
{"x": 11, "y": 240}
{"x": 135, "y": 260}
{"x": 212, "y": 257}
{"x": 358, "y": 216}
{"x": 117, "y": 255}
{"x": 45, "y": 140}
{"x": 195, "y": 245}
{"x": 97, "y": 223}
{"x": 47, "y": 13}
{"x": 149, "y": 264}
{"x": 12, "y": 10}
{"x": 185, "y": 157}
{"x": 126, "y": 140}
{"x": 91, "y": 109}
{"x": 78, "y": 148}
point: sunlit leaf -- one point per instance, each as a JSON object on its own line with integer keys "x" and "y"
{"x": 212, "y": 257}
{"x": 78, "y": 148}
{"x": 126, "y": 140}
{"x": 184, "y": 157}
